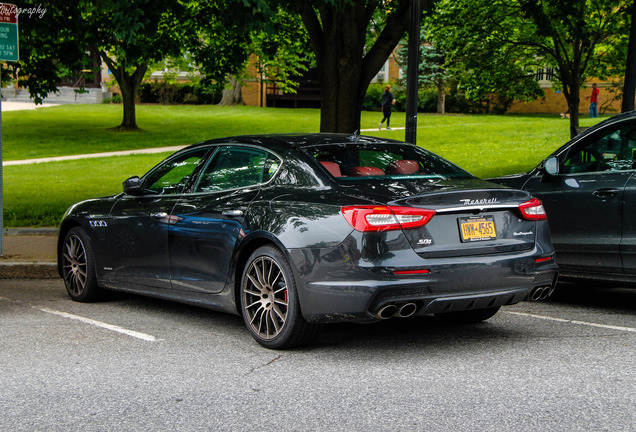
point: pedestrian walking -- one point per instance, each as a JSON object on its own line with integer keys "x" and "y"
{"x": 388, "y": 100}
{"x": 593, "y": 101}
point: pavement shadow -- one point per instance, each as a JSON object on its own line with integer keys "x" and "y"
{"x": 596, "y": 294}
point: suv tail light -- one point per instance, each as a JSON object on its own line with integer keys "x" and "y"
{"x": 385, "y": 218}
{"x": 533, "y": 210}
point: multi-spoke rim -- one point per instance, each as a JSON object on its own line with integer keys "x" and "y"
{"x": 265, "y": 298}
{"x": 74, "y": 265}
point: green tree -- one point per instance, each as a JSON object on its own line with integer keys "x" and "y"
{"x": 128, "y": 35}
{"x": 351, "y": 41}
{"x": 283, "y": 50}
{"x": 432, "y": 71}
{"x": 222, "y": 35}
{"x": 138, "y": 33}
{"x": 48, "y": 50}
{"x": 218, "y": 34}
{"x": 501, "y": 39}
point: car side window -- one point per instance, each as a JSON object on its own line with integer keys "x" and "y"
{"x": 173, "y": 176}
{"x": 613, "y": 151}
{"x": 234, "y": 167}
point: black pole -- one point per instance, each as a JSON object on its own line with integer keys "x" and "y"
{"x": 412, "y": 73}
{"x": 1, "y": 180}
{"x": 629, "y": 88}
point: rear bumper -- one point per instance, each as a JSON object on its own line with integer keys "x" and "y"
{"x": 333, "y": 287}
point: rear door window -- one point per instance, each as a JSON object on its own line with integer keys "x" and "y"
{"x": 234, "y": 167}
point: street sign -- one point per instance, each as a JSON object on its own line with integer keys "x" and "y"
{"x": 8, "y": 52}
{"x": 9, "y": 32}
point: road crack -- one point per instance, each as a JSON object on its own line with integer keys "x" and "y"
{"x": 255, "y": 368}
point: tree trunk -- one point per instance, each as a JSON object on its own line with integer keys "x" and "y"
{"x": 129, "y": 86}
{"x": 338, "y": 37}
{"x": 441, "y": 97}
{"x": 629, "y": 87}
{"x": 232, "y": 95}
{"x": 571, "y": 91}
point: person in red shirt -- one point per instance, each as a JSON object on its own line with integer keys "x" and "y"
{"x": 593, "y": 101}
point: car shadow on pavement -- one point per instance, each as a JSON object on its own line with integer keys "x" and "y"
{"x": 596, "y": 294}
{"x": 416, "y": 332}
{"x": 396, "y": 333}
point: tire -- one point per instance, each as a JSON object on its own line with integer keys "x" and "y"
{"x": 469, "y": 316}
{"x": 78, "y": 266}
{"x": 269, "y": 302}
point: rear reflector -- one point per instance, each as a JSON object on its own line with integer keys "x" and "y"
{"x": 540, "y": 260}
{"x": 410, "y": 272}
{"x": 385, "y": 218}
{"x": 533, "y": 210}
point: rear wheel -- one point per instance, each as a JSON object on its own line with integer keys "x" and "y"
{"x": 269, "y": 302}
{"x": 78, "y": 266}
{"x": 469, "y": 316}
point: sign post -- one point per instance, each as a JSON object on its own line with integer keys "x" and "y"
{"x": 8, "y": 52}
{"x": 412, "y": 72}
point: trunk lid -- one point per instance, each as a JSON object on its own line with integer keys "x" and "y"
{"x": 472, "y": 217}
{"x": 471, "y": 222}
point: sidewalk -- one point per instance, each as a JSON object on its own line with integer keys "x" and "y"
{"x": 29, "y": 253}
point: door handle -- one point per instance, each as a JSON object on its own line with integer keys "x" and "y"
{"x": 159, "y": 215}
{"x": 232, "y": 213}
{"x": 605, "y": 193}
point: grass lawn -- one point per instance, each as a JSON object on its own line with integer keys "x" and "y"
{"x": 79, "y": 129}
{"x": 37, "y": 195}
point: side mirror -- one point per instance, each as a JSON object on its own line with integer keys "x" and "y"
{"x": 551, "y": 166}
{"x": 132, "y": 186}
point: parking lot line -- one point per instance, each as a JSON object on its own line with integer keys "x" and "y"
{"x": 100, "y": 324}
{"x": 567, "y": 321}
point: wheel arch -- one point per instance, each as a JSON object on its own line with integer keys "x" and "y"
{"x": 65, "y": 227}
{"x": 247, "y": 247}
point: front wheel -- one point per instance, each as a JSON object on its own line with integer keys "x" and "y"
{"x": 269, "y": 302}
{"x": 469, "y": 316}
{"x": 78, "y": 266}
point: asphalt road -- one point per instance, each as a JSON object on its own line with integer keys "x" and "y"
{"x": 137, "y": 364}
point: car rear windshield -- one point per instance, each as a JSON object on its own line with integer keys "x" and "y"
{"x": 350, "y": 162}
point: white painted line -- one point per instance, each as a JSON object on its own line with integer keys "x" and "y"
{"x": 567, "y": 321}
{"x": 94, "y": 155}
{"x": 381, "y": 130}
{"x": 100, "y": 324}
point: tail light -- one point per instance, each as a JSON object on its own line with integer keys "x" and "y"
{"x": 385, "y": 218}
{"x": 533, "y": 210}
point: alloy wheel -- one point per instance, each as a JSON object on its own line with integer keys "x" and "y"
{"x": 265, "y": 297}
{"x": 74, "y": 265}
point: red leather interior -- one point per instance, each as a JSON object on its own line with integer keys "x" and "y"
{"x": 405, "y": 166}
{"x": 365, "y": 171}
{"x": 333, "y": 168}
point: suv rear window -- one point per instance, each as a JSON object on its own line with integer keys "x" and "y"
{"x": 349, "y": 162}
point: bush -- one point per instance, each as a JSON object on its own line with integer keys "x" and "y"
{"x": 373, "y": 98}
{"x": 456, "y": 102}
{"x": 427, "y": 101}
{"x": 171, "y": 94}
{"x": 116, "y": 99}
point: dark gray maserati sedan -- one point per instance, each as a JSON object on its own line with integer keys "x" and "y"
{"x": 293, "y": 231}
{"x": 588, "y": 187}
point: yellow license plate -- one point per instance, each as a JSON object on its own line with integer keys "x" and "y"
{"x": 477, "y": 229}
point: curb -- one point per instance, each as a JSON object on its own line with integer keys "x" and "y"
{"x": 36, "y": 270}
{"x": 30, "y": 231}
{"x": 25, "y": 269}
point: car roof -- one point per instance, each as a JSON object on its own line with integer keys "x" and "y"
{"x": 285, "y": 142}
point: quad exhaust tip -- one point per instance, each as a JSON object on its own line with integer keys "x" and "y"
{"x": 540, "y": 293}
{"x": 403, "y": 310}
